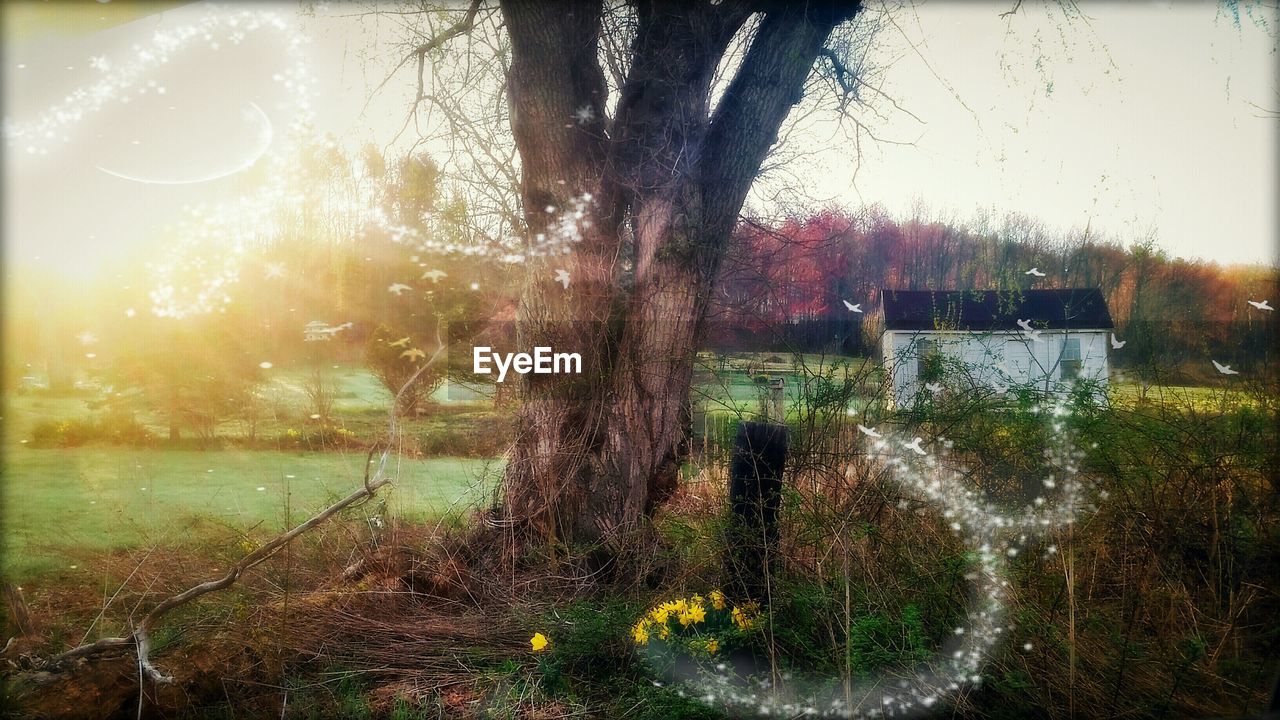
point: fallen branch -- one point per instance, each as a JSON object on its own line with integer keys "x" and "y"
{"x": 140, "y": 637}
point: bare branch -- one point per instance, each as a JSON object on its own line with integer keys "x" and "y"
{"x": 850, "y": 81}
{"x": 140, "y": 637}
{"x": 462, "y": 27}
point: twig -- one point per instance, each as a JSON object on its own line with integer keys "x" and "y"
{"x": 847, "y": 79}
{"x": 420, "y": 51}
{"x": 462, "y": 27}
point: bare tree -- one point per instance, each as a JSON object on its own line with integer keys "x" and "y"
{"x": 668, "y": 172}
{"x": 664, "y": 114}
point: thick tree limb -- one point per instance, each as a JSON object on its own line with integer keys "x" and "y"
{"x": 766, "y": 86}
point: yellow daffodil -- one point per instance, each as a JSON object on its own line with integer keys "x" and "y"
{"x": 664, "y": 632}
{"x": 641, "y": 633}
{"x": 693, "y": 614}
{"x": 717, "y": 599}
{"x": 713, "y": 645}
{"x": 539, "y": 642}
{"x": 659, "y": 614}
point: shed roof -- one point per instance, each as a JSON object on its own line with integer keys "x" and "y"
{"x": 986, "y": 310}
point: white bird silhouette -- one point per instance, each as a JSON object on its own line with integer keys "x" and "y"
{"x": 869, "y": 432}
{"x": 434, "y": 275}
{"x": 398, "y": 288}
{"x": 1034, "y": 271}
{"x": 914, "y": 446}
{"x": 562, "y": 277}
{"x": 1029, "y": 331}
{"x": 1117, "y": 343}
{"x": 934, "y": 388}
{"x": 334, "y": 330}
{"x": 1224, "y": 369}
{"x": 852, "y": 308}
{"x": 413, "y": 354}
{"x": 402, "y": 342}
{"x": 1264, "y": 305}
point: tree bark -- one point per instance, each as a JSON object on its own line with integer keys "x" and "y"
{"x": 554, "y": 74}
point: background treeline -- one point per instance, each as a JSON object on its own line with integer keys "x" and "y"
{"x": 788, "y": 278}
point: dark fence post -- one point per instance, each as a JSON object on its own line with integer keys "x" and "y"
{"x": 755, "y": 496}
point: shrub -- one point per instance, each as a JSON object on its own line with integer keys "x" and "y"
{"x": 481, "y": 436}
{"x": 389, "y": 357}
{"x": 112, "y": 428}
{"x": 321, "y": 437}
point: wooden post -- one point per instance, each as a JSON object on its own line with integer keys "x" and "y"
{"x": 755, "y": 496}
{"x": 771, "y": 398}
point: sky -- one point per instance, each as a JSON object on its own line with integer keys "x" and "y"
{"x": 1134, "y": 119}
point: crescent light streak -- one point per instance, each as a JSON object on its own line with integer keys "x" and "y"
{"x": 266, "y": 133}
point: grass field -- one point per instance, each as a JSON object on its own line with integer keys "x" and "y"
{"x": 63, "y": 505}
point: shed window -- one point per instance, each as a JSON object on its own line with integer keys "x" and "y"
{"x": 928, "y": 362}
{"x": 1071, "y": 361}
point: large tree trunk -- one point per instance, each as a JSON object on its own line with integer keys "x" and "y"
{"x": 594, "y": 458}
{"x": 554, "y": 74}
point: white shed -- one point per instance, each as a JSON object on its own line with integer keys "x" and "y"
{"x": 955, "y": 341}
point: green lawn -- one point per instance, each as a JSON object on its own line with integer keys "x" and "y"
{"x": 356, "y": 390}
{"x": 63, "y": 504}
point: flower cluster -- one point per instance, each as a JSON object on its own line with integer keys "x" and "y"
{"x": 320, "y": 436}
{"x": 696, "y": 625}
